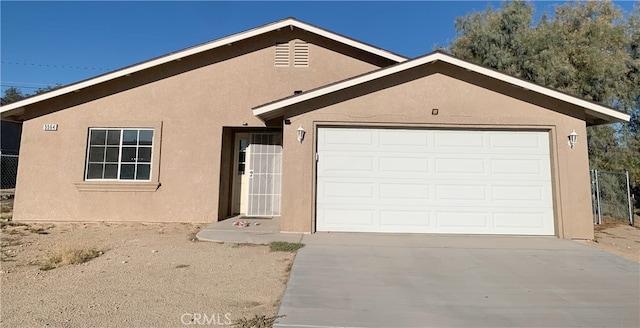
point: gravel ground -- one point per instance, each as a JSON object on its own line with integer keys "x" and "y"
{"x": 150, "y": 275}
{"x": 619, "y": 239}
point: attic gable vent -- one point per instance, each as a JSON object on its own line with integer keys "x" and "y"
{"x": 282, "y": 55}
{"x": 300, "y": 54}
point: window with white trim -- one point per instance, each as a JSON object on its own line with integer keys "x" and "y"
{"x": 119, "y": 154}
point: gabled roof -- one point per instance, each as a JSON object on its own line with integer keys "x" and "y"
{"x": 601, "y": 112}
{"x": 285, "y": 23}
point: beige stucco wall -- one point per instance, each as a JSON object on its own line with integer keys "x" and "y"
{"x": 188, "y": 103}
{"x": 464, "y": 100}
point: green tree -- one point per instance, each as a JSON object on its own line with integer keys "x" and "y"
{"x": 495, "y": 38}
{"x": 631, "y": 133}
{"x": 46, "y": 89}
{"x": 12, "y": 94}
{"x": 588, "y": 49}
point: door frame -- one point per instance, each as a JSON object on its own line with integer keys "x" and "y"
{"x": 229, "y": 175}
{"x": 239, "y": 182}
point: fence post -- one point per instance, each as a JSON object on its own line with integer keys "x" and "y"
{"x": 594, "y": 209}
{"x": 595, "y": 172}
{"x": 629, "y": 198}
{"x": 633, "y": 208}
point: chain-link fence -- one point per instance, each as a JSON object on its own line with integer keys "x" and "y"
{"x": 611, "y": 197}
{"x": 8, "y": 171}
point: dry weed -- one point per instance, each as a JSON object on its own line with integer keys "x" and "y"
{"x": 69, "y": 256}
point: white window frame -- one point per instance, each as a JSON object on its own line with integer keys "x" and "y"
{"x": 120, "y": 162}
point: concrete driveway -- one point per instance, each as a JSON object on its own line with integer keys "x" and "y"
{"x": 369, "y": 280}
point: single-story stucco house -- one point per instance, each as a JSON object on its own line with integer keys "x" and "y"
{"x": 326, "y": 132}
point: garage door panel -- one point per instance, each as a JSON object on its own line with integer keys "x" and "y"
{"x": 409, "y": 165}
{"x": 403, "y": 138}
{"x": 461, "y": 192}
{"x": 460, "y": 166}
{"x": 404, "y": 218}
{"x": 458, "y": 219}
{"x": 523, "y": 166}
{"x": 339, "y": 137}
{"x": 517, "y": 142}
{"x": 520, "y": 193}
{"x": 409, "y": 191}
{"x": 448, "y": 140}
{"x": 343, "y": 216}
{"x": 518, "y": 219}
{"x": 440, "y": 181}
{"x": 524, "y": 222}
{"x": 349, "y": 190}
{"x": 346, "y": 164}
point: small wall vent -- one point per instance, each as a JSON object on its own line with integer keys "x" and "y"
{"x": 300, "y": 54}
{"x": 282, "y": 55}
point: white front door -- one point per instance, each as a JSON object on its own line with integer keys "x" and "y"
{"x": 257, "y": 174}
{"x": 434, "y": 181}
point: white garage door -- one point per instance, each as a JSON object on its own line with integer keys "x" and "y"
{"x": 434, "y": 181}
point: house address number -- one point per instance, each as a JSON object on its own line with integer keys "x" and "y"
{"x": 50, "y": 127}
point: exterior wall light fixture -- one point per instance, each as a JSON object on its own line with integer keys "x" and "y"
{"x": 300, "y": 133}
{"x": 573, "y": 138}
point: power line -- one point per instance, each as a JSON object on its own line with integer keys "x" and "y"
{"x": 19, "y": 87}
{"x": 55, "y": 66}
{"x": 27, "y": 83}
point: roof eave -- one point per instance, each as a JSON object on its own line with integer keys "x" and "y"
{"x": 13, "y": 114}
{"x": 599, "y": 118}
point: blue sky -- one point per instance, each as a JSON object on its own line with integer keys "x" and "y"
{"x": 44, "y": 43}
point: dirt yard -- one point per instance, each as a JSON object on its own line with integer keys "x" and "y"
{"x": 156, "y": 275}
{"x": 619, "y": 239}
{"x": 145, "y": 275}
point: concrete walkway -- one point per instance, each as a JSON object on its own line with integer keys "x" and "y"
{"x": 266, "y": 231}
{"x": 390, "y": 280}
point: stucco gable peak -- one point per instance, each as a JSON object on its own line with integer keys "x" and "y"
{"x": 17, "y": 108}
{"x": 603, "y": 113}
